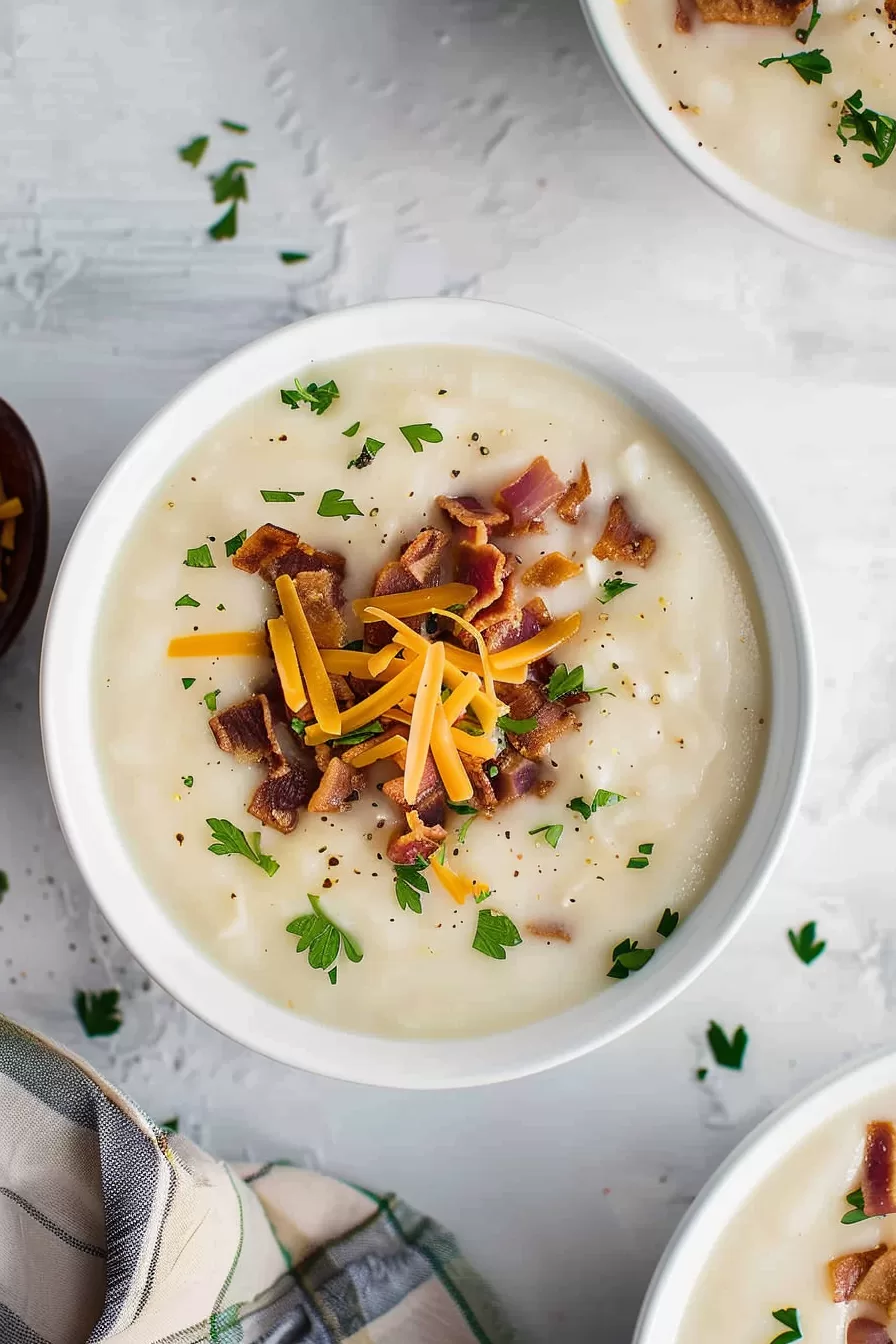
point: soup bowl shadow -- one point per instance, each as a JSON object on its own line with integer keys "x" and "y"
{"x": 73, "y": 760}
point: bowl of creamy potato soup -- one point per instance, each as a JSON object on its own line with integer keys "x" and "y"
{"x": 425, "y": 694}
{"x": 788, "y": 108}
{"x": 795, "y": 1237}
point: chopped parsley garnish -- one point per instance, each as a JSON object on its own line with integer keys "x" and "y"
{"x": 292, "y": 259}
{"x": 352, "y": 430}
{"x": 186, "y": 601}
{"x": 298, "y": 726}
{"x": 728, "y": 1054}
{"x": 188, "y": 781}
{"x": 642, "y": 858}
{"x": 225, "y": 227}
{"x": 804, "y": 944}
{"x": 229, "y": 839}
{"x": 668, "y": 922}
{"x": 856, "y": 1214}
{"x": 564, "y": 682}
{"x": 322, "y": 939}
{"x": 193, "y": 152}
{"x": 4, "y": 884}
{"x": 319, "y": 398}
{"x": 281, "y": 496}
{"x": 628, "y": 957}
{"x": 230, "y": 184}
{"x": 462, "y": 835}
{"x": 410, "y": 884}
{"x": 211, "y": 700}
{"x": 199, "y": 557}
{"x": 417, "y": 435}
{"x": 494, "y": 933}
{"x": 172, "y": 1125}
{"x": 187, "y": 682}
{"x": 233, "y": 545}
{"x": 790, "y": 1317}
{"x": 480, "y": 896}
{"x": 236, "y": 126}
{"x": 602, "y": 798}
{"x": 359, "y": 735}
{"x": 811, "y": 66}
{"x": 551, "y": 833}
{"x": 334, "y": 504}
{"x": 510, "y": 725}
{"x": 99, "y": 1013}
{"x": 869, "y": 128}
{"x": 612, "y": 588}
{"x": 469, "y": 813}
{"x": 367, "y": 454}
{"x": 803, "y": 34}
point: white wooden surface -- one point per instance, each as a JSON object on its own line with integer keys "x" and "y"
{"x": 460, "y": 147}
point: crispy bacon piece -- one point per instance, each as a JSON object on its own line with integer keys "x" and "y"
{"x": 890, "y": 7}
{"x": 544, "y": 786}
{"x": 847, "y": 1271}
{"x": 303, "y": 559}
{"x": 504, "y": 608}
{"x": 765, "y": 13}
{"x": 320, "y": 592}
{"x": 878, "y": 1283}
{"x": 863, "y": 1330}
{"x": 682, "y": 17}
{"x": 422, "y": 557}
{"x": 621, "y": 541}
{"x": 527, "y": 498}
{"x": 337, "y": 788}
{"x": 468, "y": 512}
{"x": 323, "y": 754}
{"x": 246, "y": 731}
{"x": 484, "y": 797}
{"x": 430, "y": 804}
{"x": 552, "y": 720}
{"x": 278, "y": 799}
{"x": 550, "y": 570}
{"x": 421, "y": 842}
{"x": 523, "y": 624}
{"x": 569, "y": 505}
{"x": 550, "y": 930}
{"x": 265, "y": 544}
{"x": 879, "y": 1171}
{"x": 516, "y": 776}
{"x": 485, "y": 568}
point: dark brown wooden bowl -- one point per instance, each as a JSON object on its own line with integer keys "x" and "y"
{"x": 22, "y": 570}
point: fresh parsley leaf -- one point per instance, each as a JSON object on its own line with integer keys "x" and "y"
{"x": 494, "y": 933}
{"x": 229, "y": 839}
{"x": 200, "y": 557}
{"x": 233, "y": 545}
{"x": 319, "y": 398}
{"x": 492, "y": 770}
{"x": 462, "y": 833}
{"x": 517, "y": 725}
{"x": 331, "y": 975}
{"x": 551, "y": 834}
{"x": 811, "y": 66}
{"x": 4, "y": 884}
{"x": 645, "y": 849}
{"x": 579, "y": 805}
{"x": 322, "y": 939}
{"x": 464, "y": 809}
{"x": 804, "y": 944}
{"x": 298, "y": 726}
{"x": 186, "y": 601}
{"x": 627, "y": 956}
{"x": 612, "y": 588}
{"x": 602, "y": 798}
{"x": 236, "y": 127}
{"x": 857, "y": 1214}
{"x": 225, "y": 227}
{"x": 701, "y": 1075}
{"x": 638, "y": 862}
{"x": 790, "y": 1317}
{"x": 367, "y": 454}
{"x": 193, "y": 152}
{"x": 188, "y": 780}
{"x": 230, "y": 183}
{"x": 99, "y": 1013}
{"x": 729, "y": 1054}
{"x": 187, "y": 682}
{"x": 563, "y": 682}
{"x": 869, "y": 128}
{"x": 417, "y": 435}
{"x": 281, "y": 496}
{"x": 668, "y": 922}
{"x": 410, "y": 884}
{"x": 358, "y": 735}
{"x": 292, "y": 259}
{"x": 803, "y": 34}
{"x": 334, "y": 504}
{"x": 211, "y": 700}
{"x": 352, "y": 430}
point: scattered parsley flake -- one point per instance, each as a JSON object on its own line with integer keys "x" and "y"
{"x": 193, "y": 152}
{"x": 701, "y": 1075}
{"x": 638, "y": 862}
{"x": 230, "y": 183}
{"x": 229, "y": 839}
{"x": 551, "y": 833}
{"x": 358, "y": 735}
{"x": 627, "y": 956}
{"x": 668, "y": 922}
{"x": 494, "y": 933}
{"x": 186, "y": 601}
{"x": 410, "y": 884}
{"x": 367, "y": 454}
{"x": 187, "y": 682}
{"x": 211, "y": 700}
{"x": 322, "y": 939}
{"x": 462, "y": 833}
{"x": 188, "y": 780}
{"x": 483, "y": 895}
{"x": 612, "y": 588}
{"x": 728, "y": 1054}
{"x": 869, "y": 128}
{"x": 298, "y": 726}
{"x": 225, "y": 227}
{"x": 172, "y": 1125}
{"x": 856, "y": 1214}
{"x": 804, "y": 944}
{"x": 602, "y": 798}
{"x": 233, "y": 545}
{"x": 811, "y": 66}
{"x": 417, "y": 435}
{"x": 4, "y": 884}
{"x": 352, "y": 430}
{"x": 281, "y": 496}
{"x": 292, "y": 259}
{"x": 319, "y": 398}
{"x": 517, "y": 725}
{"x": 334, "y": 504}
{"x": 790, "y": 1317}
{"x": 99, "y": 1013}
{"x": 199, "y": 557}
{"x": 564, "y": 682}
{"x": 236, "y": 127}
{"x": 803, "y": 34}
{"x": 645, "y": 849}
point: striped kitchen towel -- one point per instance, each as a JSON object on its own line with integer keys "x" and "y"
{"x": 114, "y": 1228}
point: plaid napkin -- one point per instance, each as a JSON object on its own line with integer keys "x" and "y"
{"x": 114, "y": 1228}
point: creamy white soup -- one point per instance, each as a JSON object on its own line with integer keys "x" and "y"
{"x": 650, "y": 715}
{"x": 769, "y": 123}
{"x": 788, "y": 1250}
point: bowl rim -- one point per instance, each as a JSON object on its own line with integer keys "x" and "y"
{"x": 751, "y": 1161}
{"x": 633, "y": 81}
{"x": 76, "y": 783}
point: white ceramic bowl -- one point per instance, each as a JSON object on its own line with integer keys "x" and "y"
{"x": 685, "y": 1257}
{"x": 102, "y": 855}
{"x": 606, "y": 21}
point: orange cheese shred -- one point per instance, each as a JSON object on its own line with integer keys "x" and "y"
{"x": 379, "y": 751}
{"x": 447, "y": 759}
{"x": 317, "y": 682}
{"x": 457, "y": 886}
{"x": 539, "y": 645}
{"x": 493, "y": 710}
{"x": 481, "y": 747}
{"x": 287, "y": 664}
{"x": 230, "y": 644}
{"x": 417, "y": 602}
{"x": 384, "y": 698}
{"x": 379, "y": 661}
{"x": 460, "y": 697}
{"x": 425, "y": 704}
{"x": 471, "y": 662}
{"x": 11, "y": 508}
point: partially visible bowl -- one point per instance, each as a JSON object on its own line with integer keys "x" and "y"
{"x": 21, "y": 569}
{"x": 73, "y": 759}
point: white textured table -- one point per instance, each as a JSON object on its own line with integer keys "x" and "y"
{"x": 454, "y": 147}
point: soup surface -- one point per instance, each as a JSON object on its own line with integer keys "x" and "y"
{"x": 775, "y": 1252}
{"x": 676, "y": 724}
{"x": 768, "y": 123}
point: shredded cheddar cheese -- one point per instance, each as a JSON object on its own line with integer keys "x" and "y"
{"x": 287, "y": 664}
{"x": 481, "y": 747}
{"x": 447, "y": 759}
{"x": 460, "y": 697}
{"x": 426, "y": 702}
{"x": 373, "y": 707}
{"x": 494, "y": 708}
{"x": 317, "y": 682}
{"x": 457, "y": 886}
{"x": 231, "y": 644}
{"x": 379, "y": 661}
{"x": 416, "y": 603}
{"x": 11, "y": 508}
{"x": 539, "y": 645}
{"x": 379, "y": 751}
{"x": 471, "y": 662}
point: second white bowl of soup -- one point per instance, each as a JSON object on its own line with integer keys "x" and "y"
{"x": 449, "y": 694}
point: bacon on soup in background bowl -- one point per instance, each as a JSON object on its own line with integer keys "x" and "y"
{"x": 24, "y": 524}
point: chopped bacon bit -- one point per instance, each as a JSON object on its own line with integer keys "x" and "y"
{"x": 504, "y": 608}
{"x": 516, "y": 776}
{"x": 422, "y": 557}
{"x": 547, "y": 929}
{"x": 323, "y": 754}
{"x": 246, "y": 730}
{"x": 682, "y": 17}
{"x": 552, "y": 720}
{"x": 862, "y": 1330}
{"x": 878, "y": 1284}
{"x": 342, "y": 689}
{"x": 470, "y": 513}
{"x": 879, "y": 1172}
{"x": 569, "y": 506}
{"x": 265, "y": 544}
{"x": 544, "y": 786}
{"x": 320, "y": 592}
{"x": 484, "y": 567}
{"x": 504, "y": 634}
{"x": 890, "y": 7}
{"x": 484, "y": 797}
{"x": 421, "y": 842}
{"x": 847, "y": 1271}
{"x": 430, "y": 804}
{"x": 303, "y": 559}
{"x": 551, "y": 570}
{"x": 621, "y": 541}
{"x": 340, "y": 783}
{"x": 527, "y": 498}
{"x": 278, "y": 799}
{"x": 765, "y": 13}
